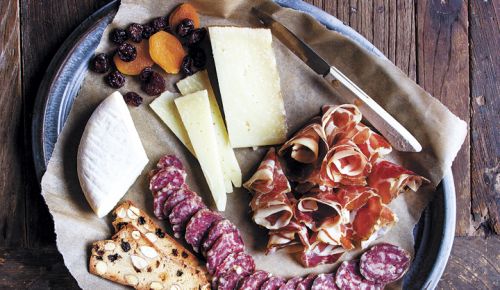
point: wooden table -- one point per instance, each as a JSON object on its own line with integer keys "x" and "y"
{"x": 450, "y": 47}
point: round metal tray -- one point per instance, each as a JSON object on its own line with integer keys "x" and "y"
{"x": 433, "y": 234}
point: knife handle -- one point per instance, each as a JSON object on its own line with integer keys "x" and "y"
{"x": 399, "y": 137}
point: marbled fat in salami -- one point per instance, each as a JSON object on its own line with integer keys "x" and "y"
{"x": 226, "y": 244}
{"x": 175, "y": 198}
{"x": 168, "y": 176}
{"x": 198, "y": 227}
{"x": 182, "y": 212}
{"x": 216, "y": 230}
{"x": 307, "y": 282}
{"x": 292, "y": 283}
{"x": 273, "y": 283}
{"x": 348, "y": 277}
{"x": 384, "y": 263}
{"x": 324, "y": 282}
{"x": 239, "y": 262}
{"x": 254, "y": 281}
{"x": 169, "y": 160}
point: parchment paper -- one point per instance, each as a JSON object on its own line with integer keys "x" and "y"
{"x": 440, "y": 132}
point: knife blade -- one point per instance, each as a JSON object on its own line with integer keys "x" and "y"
{"x": 399, "y": 137}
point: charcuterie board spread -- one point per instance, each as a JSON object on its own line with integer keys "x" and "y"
{"x": 192, "y": 139}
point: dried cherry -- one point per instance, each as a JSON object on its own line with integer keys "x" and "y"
{"x": 115, "y": 79}
{"x": 187, "y": 62}
{"x": 199, "y": 57}
{"x": 145, "y": 73}
{"x": 118, "y": 36}
{"x": 127, "y": 52}
{"x": 134, "y": 32}
{"x": 147, "y": 31}
{"x": 196, "y": 36}
{"x": 152, "y": 83}
{"x": 100, "y": 63}
{"x": 185, "y": 27}
{"x": 133, "y": 99}
{"x": 158, "y": 24}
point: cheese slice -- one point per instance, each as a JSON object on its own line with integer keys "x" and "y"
{"x": 110, "y": 155}
{"x": 165, "y": 108}
{"x": 194, "y": 110}
{"x": 249, "y": 85}
{"x": 230, "y": 167}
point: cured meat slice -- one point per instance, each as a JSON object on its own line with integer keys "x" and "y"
{"x": 292, "y": 234}
{"x": 226, "y": 244}
{"x": 254, "y": 281}
{"x": 324, "y": 282}
{"x": 170, "y": 160}
{"x": 307, "y": 282}
{"x": 390, "y": 180}
{"x": 272, "y": 211}
{"x": 353, "y": 197}
{"x": 199, "y": 225}
{"x": 168, "y": 176}
{"x": 273, "y": 283}
{"x": 384, "y": 263}
{"x": 304, "y": 151}
{"x": 320, "y": 209}
{"x": 269, "y": 177}
{"x": 320, "y": 253}
{"x": 339, "y": 119}
{"x": 216, "y": 230}
{"x": 175, "y": 198}
{"x": 370, "y": 143}
{"x": 348, "y": 277}
{"x": 292, "y": 283}
{"x": 182, "y": 212}
{"x": 345, "y": 164}
{"x": 161, "y": 196}
{"x": 367, "y": 218}
{"x": 235, "y": 265}
{"x": 228, "y": 281}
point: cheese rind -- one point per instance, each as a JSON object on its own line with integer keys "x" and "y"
{"x": 249, "y": 85}
{"x": 229, "y": 163}
{"x": 194, "y": 110}
{"x": 164, "y": 107}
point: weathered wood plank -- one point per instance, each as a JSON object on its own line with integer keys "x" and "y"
{"x": 44, "y": 25}
{"x": 443, "y": 70}
{"x": 12, "y": 230}
{"x": 485, "y": 123}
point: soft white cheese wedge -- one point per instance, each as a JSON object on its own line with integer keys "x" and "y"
{"x": 230, "y": 167}
{"x": 110, "y": 155}
{"x": 249, "y": 85}
{"x": 194, "y": 110}
{"x": 166, "y": 110}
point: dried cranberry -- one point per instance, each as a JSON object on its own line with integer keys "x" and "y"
{"x": 158, "y": 24}
{"x": 134, "y": 32}
{"x": 115, "y": 79}
{"x": 145, "y": 74}
{"x": 133, "y": 99}
{"x": 154, "y": 84}
{"x": 147, "y": 31}
{"x": 118, "y": 36}
{"x": 196, "y": 36}
{"x": 127, "y": 52}
{"x": 187, "y": 62}
{"x": 100, "y": 63}
{"x": 199, "y": 57}
{"x": 113, "y": 258}
{"x": 185, "y": 27}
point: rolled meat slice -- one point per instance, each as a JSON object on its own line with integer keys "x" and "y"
{"x": 175, "y": 198}
{"x": 339, "y": 119}
{"x": 390, "y": 180}
{"x": 384, "y": 263}
{"x": 307, "y": 282}
{"x": 373, "y": 145}
{"x": 226, "y": 244}
{"x": 348, "y": 277}
{"x": 199, "y": 225}
{"x": 182, "y": 212}
{"x": 319, "y": 209}
{"x": 292, "y": 283}
{"x": 216, "y": 230}
{"x": 254, "y": 281}
{"x": 294, "y": 233}
{"x": 269, "y": 177}
{"x": 272, "y": 210}
{"x": 273, "y": 283}
{"x": 320, "y": 253}
{"x": 324, "y": 282}
{"x": 353, "y": 197}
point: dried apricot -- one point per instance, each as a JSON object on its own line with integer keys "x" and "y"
{"x": 166, "y": 51}
{"x": 183, "y": 11}
{"x": 141, "y": 61}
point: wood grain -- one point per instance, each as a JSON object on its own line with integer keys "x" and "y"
{"x": 12, "y": 231}
{"x": 485, "y": 123}
{"x": 443, "y": 71}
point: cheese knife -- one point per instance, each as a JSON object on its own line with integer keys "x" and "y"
{"x": 399, "y": 137}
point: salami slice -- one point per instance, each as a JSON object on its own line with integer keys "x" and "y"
{"x": 216, "y": 230}
{"x": 307, "y": 282}
{"x": 228, "y": 281}
{"x": 169, "y": 160}
{"x": 226, "y": 244}
{"x": 175, "y": 198}
{"x": 167, "y": 176}
{"x": 240, "y": 263}
{"x": 324, "y": 282}
{"x": 384, "y": 263}
{"x": 348, "y": 277}
{"x": 292, "y": 283}
{"x": 273, "y": 283}
{"x": 199, "y": 225}
{"x": 182, "y": 212}
{"x": 254, "y": 281}
{"x": 160, "y": 197}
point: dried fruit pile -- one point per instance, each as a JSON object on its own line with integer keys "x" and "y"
{"x": 163, "y": 41}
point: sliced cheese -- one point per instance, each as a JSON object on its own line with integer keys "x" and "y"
{"x": 194, "y": 110}
{"x": 230, "y": 167}
{"x": 165, "y": 108}
{"x": 249, "y": 85}
{"x": 110, "y": 155}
